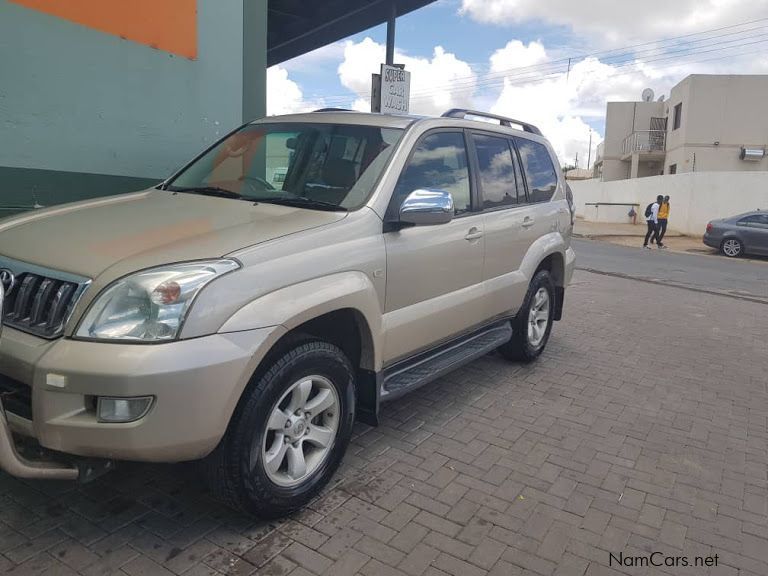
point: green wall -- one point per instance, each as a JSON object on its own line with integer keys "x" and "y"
{"x": 84, "y": 113}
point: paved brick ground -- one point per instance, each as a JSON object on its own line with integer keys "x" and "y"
{"x": 643, "y": 429}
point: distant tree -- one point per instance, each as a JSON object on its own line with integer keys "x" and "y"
{"x": 567, "y": 167}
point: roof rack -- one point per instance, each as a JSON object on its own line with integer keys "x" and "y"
{"x": 503, "y": 120}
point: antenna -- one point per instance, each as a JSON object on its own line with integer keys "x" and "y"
{"x": 647, "y": 95}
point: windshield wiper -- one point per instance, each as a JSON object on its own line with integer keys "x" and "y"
{"x": 208, "y": 191}
{"x": 301, "y": 202}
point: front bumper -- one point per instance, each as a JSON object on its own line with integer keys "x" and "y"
{"x": 16, "y": 465}
{"x": 196, "y": 385}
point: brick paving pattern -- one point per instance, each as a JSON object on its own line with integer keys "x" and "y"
{"x": 642, "y": 429}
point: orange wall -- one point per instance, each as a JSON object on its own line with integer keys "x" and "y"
{"x": 169, "y": 25}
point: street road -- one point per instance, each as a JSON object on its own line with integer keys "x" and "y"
{"x": 720, "y": 275}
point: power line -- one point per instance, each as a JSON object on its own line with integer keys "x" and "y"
{"x": 546, "y": 73}
{"x": 630, "y": 58}
{"x": 552, "y": 67}
{"x": 517, "y": 80}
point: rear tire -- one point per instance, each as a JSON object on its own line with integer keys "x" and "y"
{"x": 288, "y": 434}
{"x": 533, "y": 324}
{"x": 732, "y": 247}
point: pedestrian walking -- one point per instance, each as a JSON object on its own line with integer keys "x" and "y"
{"x": 663, "y": 218}
{"x": 652, "y": 219}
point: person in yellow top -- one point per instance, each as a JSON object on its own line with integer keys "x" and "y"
{"x": 663, "y": 218}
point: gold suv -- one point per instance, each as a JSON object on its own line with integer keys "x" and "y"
{"x": 284, "y": 283}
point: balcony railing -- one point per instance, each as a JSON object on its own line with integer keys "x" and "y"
{"x": 645, "y": 141}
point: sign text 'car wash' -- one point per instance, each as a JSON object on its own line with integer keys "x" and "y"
{"x": 395, "y": 90}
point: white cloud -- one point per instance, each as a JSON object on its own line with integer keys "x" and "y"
{"x": 361, "y": 59}
{"x": 316, "y": 60}
{"x": 613, "y": 21}
{"x": 517, "y": 55}
{"x": 284, "y": 96}
{"x": 560, "y": 104}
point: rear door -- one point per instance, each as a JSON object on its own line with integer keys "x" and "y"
{"x": 506, "y": 211}
{"x": 511, "y": 232}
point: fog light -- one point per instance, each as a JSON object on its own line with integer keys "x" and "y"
{"x": 120, "y": 410}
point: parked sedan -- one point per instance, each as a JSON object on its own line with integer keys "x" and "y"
{"x": 742, "y": 234}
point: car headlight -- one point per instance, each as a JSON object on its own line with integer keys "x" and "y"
{"x": 149, "y": 306}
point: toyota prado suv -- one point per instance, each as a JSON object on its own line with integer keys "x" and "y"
{"x": 289, "y": 280}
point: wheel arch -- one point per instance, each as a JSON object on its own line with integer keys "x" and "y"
{"x": 548, "y": 253}
{"x": 343, "y": 309}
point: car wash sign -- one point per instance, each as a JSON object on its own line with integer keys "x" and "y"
{"x": 395, "y": 91}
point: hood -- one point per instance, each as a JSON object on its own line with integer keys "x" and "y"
{"x": 136, "y": 231}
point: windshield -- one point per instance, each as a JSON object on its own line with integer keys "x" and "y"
{"x": 335, "y": 165}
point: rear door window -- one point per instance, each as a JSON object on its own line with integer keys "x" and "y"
{"x": 755, "y": 221}
{"x": 539, "y": 170}
{"x": 498, "y": 183}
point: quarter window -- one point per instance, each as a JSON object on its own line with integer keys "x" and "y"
{"x": 539, "y": 170}
{"x": 439, "y": 161}
{"x": 496, "y": 171}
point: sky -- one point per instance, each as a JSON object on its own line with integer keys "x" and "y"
{"x": 554, "y": 63}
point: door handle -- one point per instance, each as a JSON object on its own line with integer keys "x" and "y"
{"x": 528, "y": 222}
{"x": 473, "y": 234}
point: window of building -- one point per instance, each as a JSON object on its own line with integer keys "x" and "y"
{"x": 497, "y": 171}
{"x": 678, "y": 116}
{"x": 673, "y": 169}
{"x": 539, "y": 170}
{"x": 438, "y": 161}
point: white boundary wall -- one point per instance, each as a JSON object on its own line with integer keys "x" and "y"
{"x": 695, "y": 198}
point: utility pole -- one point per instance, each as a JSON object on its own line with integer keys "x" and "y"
{"x": 391, "y": 35}
{"x": 577, "y": 159}
{"x": 589, "y": 156}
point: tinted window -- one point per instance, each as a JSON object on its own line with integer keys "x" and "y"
{"x": 539, "y": 170}
{"x": 439, "y": 161}
{"x": 497, "y": 171}
{"x": 755, "y": 221}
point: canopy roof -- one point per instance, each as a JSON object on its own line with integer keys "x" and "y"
{"x": 296, "y": 27}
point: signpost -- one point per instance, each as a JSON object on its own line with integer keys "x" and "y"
{"x": 391, "y": 90}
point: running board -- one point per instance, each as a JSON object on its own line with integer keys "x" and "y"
{"x": 415, "y": 372}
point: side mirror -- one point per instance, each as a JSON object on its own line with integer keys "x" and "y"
{"x": 425, "y": 207}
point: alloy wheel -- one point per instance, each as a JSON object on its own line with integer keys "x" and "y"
{"x": 301, "y": 431}
{"x": 732, "y": 247}
{"x": 538, "y": 317}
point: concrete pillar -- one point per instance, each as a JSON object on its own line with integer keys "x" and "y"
{"x": 254, "y": 59}
{"x": 633, "y": 171}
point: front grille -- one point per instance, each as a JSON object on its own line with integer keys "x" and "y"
{"x": 16, "y": 397}
{"x": 39, "y": 301}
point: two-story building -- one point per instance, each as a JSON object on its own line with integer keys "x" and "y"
{"x": 709, "y": 123}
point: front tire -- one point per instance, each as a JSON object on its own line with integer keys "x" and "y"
{"x": 732, "y": 247}
{"x": 289, "y": 433}
{"x": 533, "y": 324}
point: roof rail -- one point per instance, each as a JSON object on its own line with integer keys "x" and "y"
{"x": 503, "y": 120}
{"x": 332, "y": 110}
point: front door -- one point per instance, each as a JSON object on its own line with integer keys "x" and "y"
{"x": 434, "y": 273}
